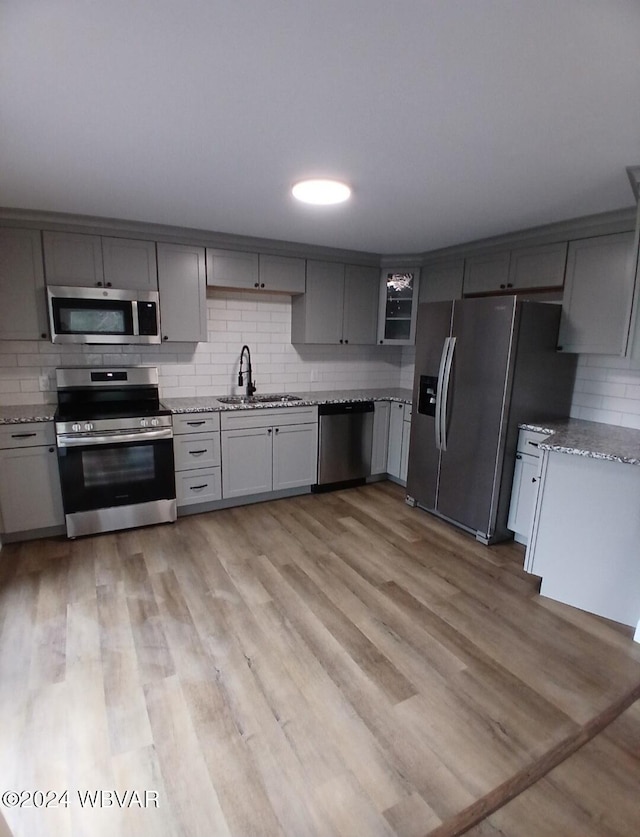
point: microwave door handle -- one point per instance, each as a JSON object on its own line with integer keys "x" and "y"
{"x": 445, "y": 395}
{"x": 438, "y": 410}
{"x": 134, "y": 314}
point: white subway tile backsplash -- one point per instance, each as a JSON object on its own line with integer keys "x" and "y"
{"x": 263, "y": 322}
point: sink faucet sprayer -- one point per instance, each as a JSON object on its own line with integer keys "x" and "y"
{"x": 251, "y": 388}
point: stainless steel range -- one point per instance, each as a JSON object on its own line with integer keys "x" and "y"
{"x": 115, "y": 449}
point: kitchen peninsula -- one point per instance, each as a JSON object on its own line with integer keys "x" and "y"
{"x": 586, "y": 527}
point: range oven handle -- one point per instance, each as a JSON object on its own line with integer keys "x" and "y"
{"x": 113, "y": 437}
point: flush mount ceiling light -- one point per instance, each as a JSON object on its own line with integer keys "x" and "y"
{"x": 321, "y": 191}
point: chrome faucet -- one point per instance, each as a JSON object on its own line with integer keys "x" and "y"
{"x": 251, "y": 388}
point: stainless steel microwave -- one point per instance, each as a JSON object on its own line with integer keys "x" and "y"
{"x": 103, "y": 315}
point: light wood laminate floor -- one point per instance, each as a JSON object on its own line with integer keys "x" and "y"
{"x": 335, "y": 664}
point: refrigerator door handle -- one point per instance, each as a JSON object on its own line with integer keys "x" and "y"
{"x": 439, "y": 388}
{"x": 445, "y": 393}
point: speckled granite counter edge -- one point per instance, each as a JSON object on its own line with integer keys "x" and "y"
{"x": 211, "y": 404}
{"x": 590, "y": 439}
{"x": 25, "y": 414}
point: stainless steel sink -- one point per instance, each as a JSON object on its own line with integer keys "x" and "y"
{"x": 269, "y": 398}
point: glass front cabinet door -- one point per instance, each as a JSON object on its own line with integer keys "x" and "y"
{"x": 398, "y": 305}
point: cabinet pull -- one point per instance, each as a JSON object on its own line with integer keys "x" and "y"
{"x": 197, "y": 452}
{"x": 534, "y": 479}
{"x": 277, "y": 429}
{"x": 196, "y": 423}
{"x": 23, "y": 435}
{"x": 269, "y": 429}
{"x": 534, "y": 444}
{"x": 518, "y": 456}
{"x": 198, "y": 487}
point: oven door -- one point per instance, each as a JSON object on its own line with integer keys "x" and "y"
{"x": 98, "y": 472}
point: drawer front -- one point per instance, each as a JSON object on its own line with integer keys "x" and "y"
{"x": 202, "y": 486}
{"x": 196, "y": 423}
{"x": 278, "y": 416}
{"x": 528, "y": 441}
{"x": 27, "y": 435}
{"x": 196, "y": 450}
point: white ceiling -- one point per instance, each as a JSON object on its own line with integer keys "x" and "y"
{"x": 452, "y": 119}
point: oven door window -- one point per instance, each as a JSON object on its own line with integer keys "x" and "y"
{"x": 92, "y": 316}
{"x": 101, "y": 476}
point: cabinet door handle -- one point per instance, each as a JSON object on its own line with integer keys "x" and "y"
{"x": 23, "y": 435}
{"x": 52, "y": 450}
{"x": 197, "y": 452}
{"x": 534, "y": 479}
{"x": 198, "y": 487}
{"x": 195, "y": 423}
{"x": 518, "y": 456}
{"x": 277, "y": 429}
{"x": 269, "y": 429}
{"x": 534, "y": 444}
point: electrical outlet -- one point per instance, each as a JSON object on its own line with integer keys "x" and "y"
{"x": 43, "y": 383}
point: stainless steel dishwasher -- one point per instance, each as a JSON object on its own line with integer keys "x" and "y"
{"x": 344, "y": 443}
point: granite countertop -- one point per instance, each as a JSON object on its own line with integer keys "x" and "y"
{"x": 208, "y": 403}
{"x": 590, "y": 438}
{"x": 24, "y": 413}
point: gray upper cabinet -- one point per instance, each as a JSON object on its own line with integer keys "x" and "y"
{"x": 360, "y": 317}
{"x": 23, "y": 314}
{"x": 441, "y": 281}
{"x": 538, "y": 267}
{"x": 183, "y": 293}
{"x": 130, "y": 264}
{"x": 73, "y": 259}
{"x": 486, "y": 274}
{"x": 282, "y": 273}
{"x": 232, "y": 269}
{"x": 253, "y": 271}
{"x": 398, "y": 305}
{"x": 93, "y": 261}
{"x": 598, "y": 291}
{"x": 339, "y": 306}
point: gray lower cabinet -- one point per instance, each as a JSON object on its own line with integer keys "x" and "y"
{"x": 380, "y": 443}
{"x": 588, "y": 559}
{"x": 30, "y": 495}
{"x": 76, "y": 259}
{"x": 23, "y": 313}
{"x": 183, "y": 293}
{"x": 526, "y": 478}
{"x": 268, "y": 450}
{"x": 196, "y": 448}
{"x": 399, "y": 434}
{"x": 253, "y": 271}
{"x": 339, "y": 306}
{"x": 598, "y": 293}
{"x": 441, "y": 281}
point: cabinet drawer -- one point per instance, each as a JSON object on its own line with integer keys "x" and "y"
{"x": 281, "y": 416}
{"x": 201, "y": 486}
{"x": 196, "y": 423}
{"x": 196, "y": 450}
{"x": 27, "y": 435}
{"x": 528, "y": 441}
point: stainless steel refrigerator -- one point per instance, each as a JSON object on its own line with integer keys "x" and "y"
{"x": 482, "y": 367}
